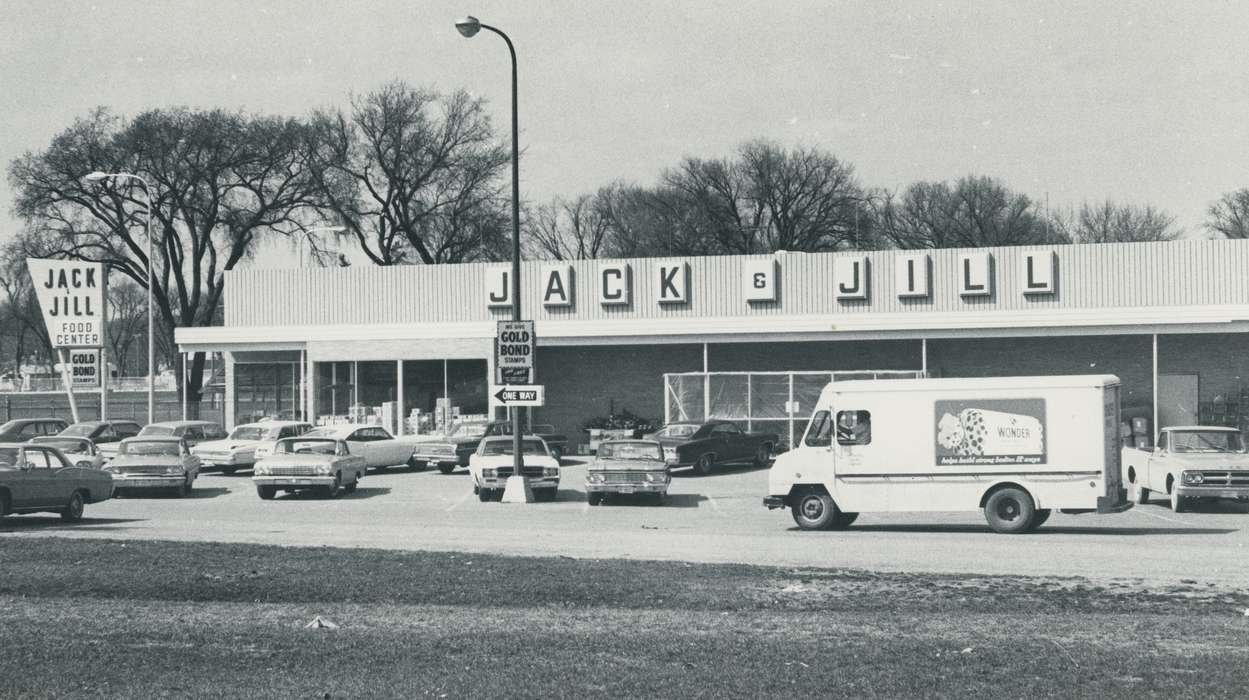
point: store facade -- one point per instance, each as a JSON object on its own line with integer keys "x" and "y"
{"x": 412, "y": 346}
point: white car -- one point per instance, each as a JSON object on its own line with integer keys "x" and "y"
{"x": 81, "y": 451}
{"x": 246, "y": 444}
{"x": 494, "y": 460}
{"x": 379, "y": 448}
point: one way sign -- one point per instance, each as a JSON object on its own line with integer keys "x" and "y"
{"x": 518, "y": 395}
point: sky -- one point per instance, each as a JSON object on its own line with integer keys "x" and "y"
{"x": 1142, "y": 103}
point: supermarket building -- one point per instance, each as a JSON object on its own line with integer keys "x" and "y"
{"x": 751, "y": 337}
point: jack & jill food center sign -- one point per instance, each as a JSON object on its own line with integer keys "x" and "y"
{"x": 71, "y": 296}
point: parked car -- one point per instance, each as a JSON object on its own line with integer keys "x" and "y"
{"x": 628, "y": 467}
{"x": 154, "y": 464}
{"x": 106, "y": 434}
{"x": 246, "y": 444}
{"x": 704, "y": 445}
{"x": 457, "y": 448}
{"x": 192, "y": 431}
{"x": 23, "y": 429}
{"x": 81, "y": 451}
{"x": 1189, "y": 463}
{"x": 321, "y": 463}
{"x": 38, "y": 478}
{"x": 495, "y": 461}
{"x": 374, "y": 443}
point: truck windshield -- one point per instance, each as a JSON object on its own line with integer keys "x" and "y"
{"x": 631, "y": 450}
{"x": 1206, "y": 441}
{"x": 163, "y": 448}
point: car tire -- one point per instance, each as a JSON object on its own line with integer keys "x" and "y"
{"x": 184, "y": 490}
{"x": 334, "y": 489}
{"x": 446, "y": 468}
{"x": 415, "y": 465}
{"x": 72, "y": 512}
{"x": 844, "y": 520}
{"x": 351, "y": 488}
{"x": 266, "y": 493}
{"x": 814, "y": 511}
{"x": 1039, "y": 518}
{"x": 762, "y": 456}
{"x": 705, "y": 464}
{"x": 1009, "y": 511}
{"x": 483, "y": 495}
{"x": 1179, "y": 504}
{"x": 594, "y": 498}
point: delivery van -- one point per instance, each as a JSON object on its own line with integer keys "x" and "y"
{"x": 1017, "y": 448}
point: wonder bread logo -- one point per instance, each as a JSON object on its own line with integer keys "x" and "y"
{"x": 990, "y": 431}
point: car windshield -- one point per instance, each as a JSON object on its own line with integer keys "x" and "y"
{"x": 248, "y": 433}
{"x": 156, "y": 430}
{"x": 161, "y": 448}
{"x": 630, "y": 450}
{"x": 679, "y": 430}
{"x": 80, "y": 430}
{"x": 504, "y": 447}
{"x": 11, "y": 425}
{"x": 64, "y": 444}
{"x": 1207, "y": 441}
{"x": 307, "y": 447}
{"x": 8, "y": 456}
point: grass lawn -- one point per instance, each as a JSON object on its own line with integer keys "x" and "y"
{"x": 88, "y": 618}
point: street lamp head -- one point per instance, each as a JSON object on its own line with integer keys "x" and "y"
{"x": 95, "y": 176}
{"x": 468, "y": 26}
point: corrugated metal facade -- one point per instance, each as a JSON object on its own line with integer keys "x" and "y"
{"x": 1182, "y": 273}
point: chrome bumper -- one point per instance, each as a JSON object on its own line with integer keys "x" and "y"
{"x": 535, "y": 482}
{"x": 642, "y": 487}
{"x": 293, "y": 481}
{"x": 147, "y": 481}
{"x": 1240, "y": 492}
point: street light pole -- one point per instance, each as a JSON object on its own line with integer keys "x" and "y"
{"x": 151, "y": 335}
{"x": 468, "y": 27}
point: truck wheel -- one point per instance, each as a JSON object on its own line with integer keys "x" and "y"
{"x": 446, "y": 468}
{"x": 814, "y": 511}
{"x": 844, "y": 520}
{"x": 704, "y": 464}
{"x": 72, "y": 512}
{"x": 1039, "y": 518}
{"x": 1140, "y": 494}
{"x": 266, "y": 493}
{"x": 762, "y": 455}
{"x": 483, "y": 495}
{"x": 1179, "y": 504}
{"x": 1009, "y": 511}
{"x": 557, "y": 453}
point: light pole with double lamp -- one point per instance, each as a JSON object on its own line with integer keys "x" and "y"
{"x": 468, "y": 27}
{"x": 97, "y": 176}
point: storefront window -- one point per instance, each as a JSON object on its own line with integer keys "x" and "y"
{"x": 266, "y": 390}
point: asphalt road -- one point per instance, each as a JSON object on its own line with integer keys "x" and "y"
{"x": 717, "y": 518}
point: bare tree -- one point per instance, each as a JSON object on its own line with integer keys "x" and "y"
{"x": 127, "y": 327}
{"x": 1229, "y": 216}
{"x": 1119, "y": 223}
{"x": 975, "y": 212}
{"x": 25, "y": 334}
{"x": 219, "y": 181}
{"x": 413, "y": 175}
{"x": 563, "y": 229}
{"x": 807, "y": 199}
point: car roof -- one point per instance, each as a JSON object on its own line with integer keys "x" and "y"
{"x": 341, "y": 431}
{"x": 153, "y": 438}
{"x": 110, "y": 421}
{"x": 180, "y": 423}
{"x": 614, "y": 441}
{"x": 39, "y": 420}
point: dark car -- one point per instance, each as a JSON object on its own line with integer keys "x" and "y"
{"x": 106, "y": 434}
{"x": 23, "y": 429}
{"x": 38, "y": 478}
{"x": 704, "y": 445}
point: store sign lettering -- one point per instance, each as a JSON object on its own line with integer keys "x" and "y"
{"x": 851, "y": 279}
{"x": 558, "y": 286}
{"x": 615, "y": 284}
{"x": 71, "y": 297}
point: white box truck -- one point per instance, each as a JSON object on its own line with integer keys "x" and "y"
{"x": 1016, "y": 447}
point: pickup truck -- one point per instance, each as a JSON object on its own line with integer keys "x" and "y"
{"x": 455, "y": 450}
{"x": 1189, "y": 462}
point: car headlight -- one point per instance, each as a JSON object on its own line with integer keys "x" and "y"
{"x": 173, "y": 470}
{"x": 1191, "y": 477}
{"x": 260, "y": 471}
{"x": 323, "y": 469}
{"x": 550, "y": 471}
{"x": 595, "y": 478}
{"x": 655, "y": 477}
{"x": 488, "y": 473}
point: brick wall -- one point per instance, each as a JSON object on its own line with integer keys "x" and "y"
{"x": 1130, "y": 357}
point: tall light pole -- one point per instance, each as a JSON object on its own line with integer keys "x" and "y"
{"x": 97, "y": 176}
{"x": 468, "y": 27}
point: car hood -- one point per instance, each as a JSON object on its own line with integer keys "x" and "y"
{"x": 226, "y": 445}
{"x": 145, "y": 461}
{"x": 297, "y": 459}
{"x": 508, "y": 461}
{"x": 637, "y": 465}
{"x": 1212, "y": 460}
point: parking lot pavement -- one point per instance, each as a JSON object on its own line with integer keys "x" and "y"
{"x": 716, "y": 518}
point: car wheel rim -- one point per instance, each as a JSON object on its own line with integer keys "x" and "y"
{"x": 812, "y": 508}
{"x": 1008, "y": 510}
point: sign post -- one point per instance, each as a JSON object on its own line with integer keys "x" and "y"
{"x": 514, "y": 346}
{"x": 71, "y": 297}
